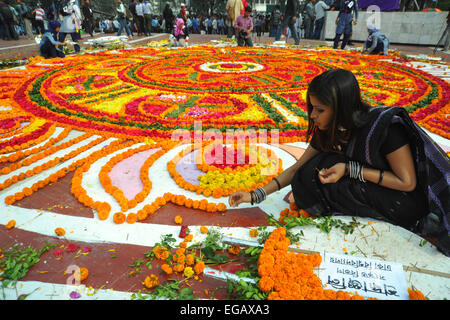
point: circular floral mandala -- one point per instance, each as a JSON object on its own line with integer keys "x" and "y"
{"x": 151, "y": 91}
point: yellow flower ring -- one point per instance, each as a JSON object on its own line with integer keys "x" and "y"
{"x": 219, "y": 176}
{"x": 153, "y": 91}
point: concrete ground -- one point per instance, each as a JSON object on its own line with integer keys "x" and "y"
{"x": 24, "y": 48}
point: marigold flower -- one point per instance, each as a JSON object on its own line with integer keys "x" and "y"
{"x": 183, "y": 244}
{"x": 151, "y": 281}
{"x": 190, "y": 259}
{"x": 199, "y": 266}
{"x": 254, "y": 233}
{"x": 60, "y": 231}
{"x": 11, "y": 224}
{"x": 265, "y": 284}
{"x": 178, "y": 220}
{"x": 119, "y": 217}
{"x": 234, "y": 249}
{"x": 81, "y": 274}
{"x": 178, "y": 267}
{"x": 131, "y": 217}
{"x": 203, "y": 229}
{"x": 416, "y": 295}
{"x": 188, "y": 272}
{"x": 188, "y": 238}
{"x": 166, "y": 268}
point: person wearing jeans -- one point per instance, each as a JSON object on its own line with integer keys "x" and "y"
{"x": 319, "y": 9}
{"x": 344, "y": 21}
{"x": 122, "y": 18}
{"x": 244, "y": 28}
{"x": 290, "y": 17}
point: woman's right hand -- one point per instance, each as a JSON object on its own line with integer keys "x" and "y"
{"x": 239, "y": 197}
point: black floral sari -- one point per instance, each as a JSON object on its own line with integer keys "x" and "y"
{"x": 425, "y": 211}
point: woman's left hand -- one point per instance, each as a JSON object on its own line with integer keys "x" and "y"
{"x": 333, "y": 174}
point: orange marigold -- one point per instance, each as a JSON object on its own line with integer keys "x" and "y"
{"x": 11, "y": 224}
{"x": 60, "y": 231}
{"x": 178, "y": 220}
{"x": 183, "y": 244}
{"x": 190, "y": 259}
{"x": 131, "y": 217}
{"x": 166, "y": 268}
{"x": 188, "y": 238}
{"x": 221, "y": 207}
{"x": 254, "y": 233}
{"x": 234, "y": 249}
{"x": 265, "y": 284}
{"x": 199, "y": 266}
{"x": 178, "y": 267}
{"x": 416, "y": 295}
{"x": 81, "y": 274}
{"x": 151, "y": 281}
{"x": 119, "y": 217}
{"x": 203, "y": 229}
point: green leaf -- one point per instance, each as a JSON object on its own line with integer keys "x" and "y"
{"x": 209, "y": 252}
{"x": 220, "y": 258}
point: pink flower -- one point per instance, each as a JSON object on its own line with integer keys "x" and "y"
{"x": 86, "y": 249}
{"x": 72, "y": 247}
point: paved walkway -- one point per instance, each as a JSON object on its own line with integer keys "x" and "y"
{"x": 24, "y": 48}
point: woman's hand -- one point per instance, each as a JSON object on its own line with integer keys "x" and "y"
{"x": 239, "y": 197}
{"x": 333, "y": 174}
{"x": 291, "y": 198}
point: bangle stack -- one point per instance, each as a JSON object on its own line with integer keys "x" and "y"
{"x": 258, "y": 195}
{"x": 356, "y": 170}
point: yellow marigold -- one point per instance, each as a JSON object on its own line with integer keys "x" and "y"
{"x": 60, "y": 231}
{"x": 203, "y": 229}
{"x": 151, "y": 281}
{"x": 11, "y": 224}
{"x": 188, "y": 272}
{"x": 178, "y": 220}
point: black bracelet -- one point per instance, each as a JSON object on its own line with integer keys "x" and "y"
{"x": 381, "y": 176}
{"x": 252, "y": 197}
{"x": 346, "y": 168}
{"x": 278, "y": 183}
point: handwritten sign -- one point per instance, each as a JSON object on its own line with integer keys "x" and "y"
{"x": 369, "y": 278}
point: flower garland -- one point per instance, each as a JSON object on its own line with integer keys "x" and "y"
{"x": 11, "y": 199}
{"x": 289, "y": 276}
{"x": 147, "y": 184}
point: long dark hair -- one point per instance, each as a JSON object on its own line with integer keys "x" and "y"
{"x": 339, "y": 89}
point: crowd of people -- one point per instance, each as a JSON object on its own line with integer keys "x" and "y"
{"x": 137, "y": 17}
